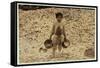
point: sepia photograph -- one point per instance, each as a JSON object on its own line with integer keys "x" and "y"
{"x": 50, "y": 33}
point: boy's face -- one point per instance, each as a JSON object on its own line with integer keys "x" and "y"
{"x": 59, "y": 18}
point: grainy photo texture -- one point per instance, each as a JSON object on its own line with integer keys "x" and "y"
{"x": 50, "y": 34}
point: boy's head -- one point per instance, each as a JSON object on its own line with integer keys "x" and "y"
{"x": 59, "y": 16}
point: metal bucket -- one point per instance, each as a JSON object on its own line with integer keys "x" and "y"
{"x": 48, "y": 43}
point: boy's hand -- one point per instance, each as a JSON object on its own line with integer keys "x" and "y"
{"x": 65, "y": 39}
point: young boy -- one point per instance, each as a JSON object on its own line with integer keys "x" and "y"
{"x": 58, "y": 34}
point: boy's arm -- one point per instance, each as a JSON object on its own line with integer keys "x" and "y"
{"x": 52, "y": 32}
{"x": 64, "y": 32}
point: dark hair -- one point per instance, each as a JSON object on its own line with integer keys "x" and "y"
{"x": 59, "y": 14}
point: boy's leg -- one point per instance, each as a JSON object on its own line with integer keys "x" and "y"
{"x": 54, "y": 42}
{"x": 61, "y": 40}
{"x": 54, "y": 50}
{"x": 60, "y": 50}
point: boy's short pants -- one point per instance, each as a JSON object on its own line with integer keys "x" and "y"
{"x": 57, "y": 40}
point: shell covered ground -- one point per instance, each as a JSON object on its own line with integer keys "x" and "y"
{"x": 35, "y": 27}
